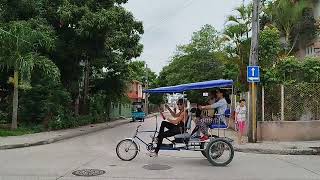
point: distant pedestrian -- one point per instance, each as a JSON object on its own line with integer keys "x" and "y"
{"x": 240, "y": 119}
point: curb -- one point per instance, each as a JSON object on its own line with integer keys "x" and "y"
{"x": 108, "y": 125}
{"x": 278, "y": 151}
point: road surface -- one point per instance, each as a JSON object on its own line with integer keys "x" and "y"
{"x": 97, "y": 151}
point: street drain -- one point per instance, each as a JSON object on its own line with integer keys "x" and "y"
{"x": 88, "y": 172}
{"x": 156, "y": 167}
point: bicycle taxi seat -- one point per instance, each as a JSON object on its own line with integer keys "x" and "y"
{"x": 219, "y": 124}
{"x": 185, "y": 135}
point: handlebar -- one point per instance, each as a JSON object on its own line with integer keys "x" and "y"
{"x": 139, "y": 127}
{"x": 137, "y": 130}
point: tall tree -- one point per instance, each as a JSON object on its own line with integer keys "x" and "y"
{"x": 287, "y": 15}
{"x": 200, "y": 60}
{"x": 236, "y": 35}
{"x": 100, "y": 33}
{"x": 270, "y": 47}
{"x": 20, "y": 42}
{"x": 138, "y": 71}
{"x": 242, "y": 19}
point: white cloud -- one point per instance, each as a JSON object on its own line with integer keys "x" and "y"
{"x": 169, "y": 23}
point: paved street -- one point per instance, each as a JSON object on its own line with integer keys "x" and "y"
{"x": 97, "y": 151}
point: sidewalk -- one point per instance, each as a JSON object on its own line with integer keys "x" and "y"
{"x": 42, "y": 138}
{"x": 282, "y": 148}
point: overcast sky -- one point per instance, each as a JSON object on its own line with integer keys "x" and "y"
{"x": 168, "y": 23}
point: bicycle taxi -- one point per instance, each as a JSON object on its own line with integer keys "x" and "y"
{"x": 218, "y": 150}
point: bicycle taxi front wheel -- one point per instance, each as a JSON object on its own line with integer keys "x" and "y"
{"x": 219, "y": 152}
{"x": 127, "y": 149}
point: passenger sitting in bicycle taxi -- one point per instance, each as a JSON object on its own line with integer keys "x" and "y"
{"x": 200, "y": 114}
{"x": 174, "y": 125}
{"x": 221, "y": 105}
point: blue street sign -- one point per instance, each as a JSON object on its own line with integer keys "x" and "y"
{"x": 253, "y": 74}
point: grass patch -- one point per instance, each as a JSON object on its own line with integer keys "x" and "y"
{"x": 17, "y": 132}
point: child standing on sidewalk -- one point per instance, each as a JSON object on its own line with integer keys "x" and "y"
{"x": 240, "y": 119}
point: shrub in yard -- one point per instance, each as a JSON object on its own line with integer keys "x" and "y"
{"x": 41, "y": 104}
{"x": 98, "y": 108}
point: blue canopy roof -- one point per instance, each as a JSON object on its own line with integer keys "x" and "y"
{"x": 192, "y": 86}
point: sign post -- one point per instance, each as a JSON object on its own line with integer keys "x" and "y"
{"x": 253, "y": 77}
{"x": 253, "y": 61}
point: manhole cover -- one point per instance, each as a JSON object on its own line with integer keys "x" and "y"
{"x": 156, "y": 167}
{"x": 88, "y": 172}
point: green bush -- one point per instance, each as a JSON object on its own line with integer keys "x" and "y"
{"x": 85, "y": 120}
{"x": 3, "y": 117}
{"x": 291, "y": 70}
{"x": 42, "y": 103}
{"x": 65, "y": 122}
{"x": 98, "y": 108}
{"x": 32, "y": 127}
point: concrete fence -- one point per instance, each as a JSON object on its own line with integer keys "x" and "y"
{"x": 288, "y": 130}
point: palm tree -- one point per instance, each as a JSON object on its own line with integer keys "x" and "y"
{"x": 236, "y": 34}
{"x": 19, "y": 42}
{"x": 287, "y": 15}
{"x": 242, "y": 18}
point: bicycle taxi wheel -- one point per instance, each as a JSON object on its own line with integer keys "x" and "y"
{"x": 219, "y": 152}
{"x": 127, "y": 150}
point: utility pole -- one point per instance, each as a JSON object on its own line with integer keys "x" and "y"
{"x": 146, "y": 103}
{"x": 253, "y": 62}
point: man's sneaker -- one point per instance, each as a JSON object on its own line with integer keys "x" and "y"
{"x": 204, "y": 138}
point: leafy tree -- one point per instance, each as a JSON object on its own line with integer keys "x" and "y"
{"x": 292, "y": 70}
{"x": 236, "y": 34}
{"x": 138, "y": 71}
{"x": 101, "y": 33}
{"x": 90, "y": 35}
{"x": 288, "y": 16}
{"x": 242, "y": 19}
{"x": 311, "y": 69}
{"x": 207, "y": 39}
{"x": 200, "y": 60}
{"x": 289, "y": 70}
{"x": 270, "y": 47}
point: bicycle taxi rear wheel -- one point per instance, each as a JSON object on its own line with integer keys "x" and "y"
{"x": 127, "y": 149}
{"x": 219, "y": 152}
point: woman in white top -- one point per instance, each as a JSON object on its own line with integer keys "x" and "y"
{"x": 240, "y": 119}
{"x": 221, "y": 105}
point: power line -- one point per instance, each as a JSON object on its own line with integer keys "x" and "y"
{"x": 174, "y": 13}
